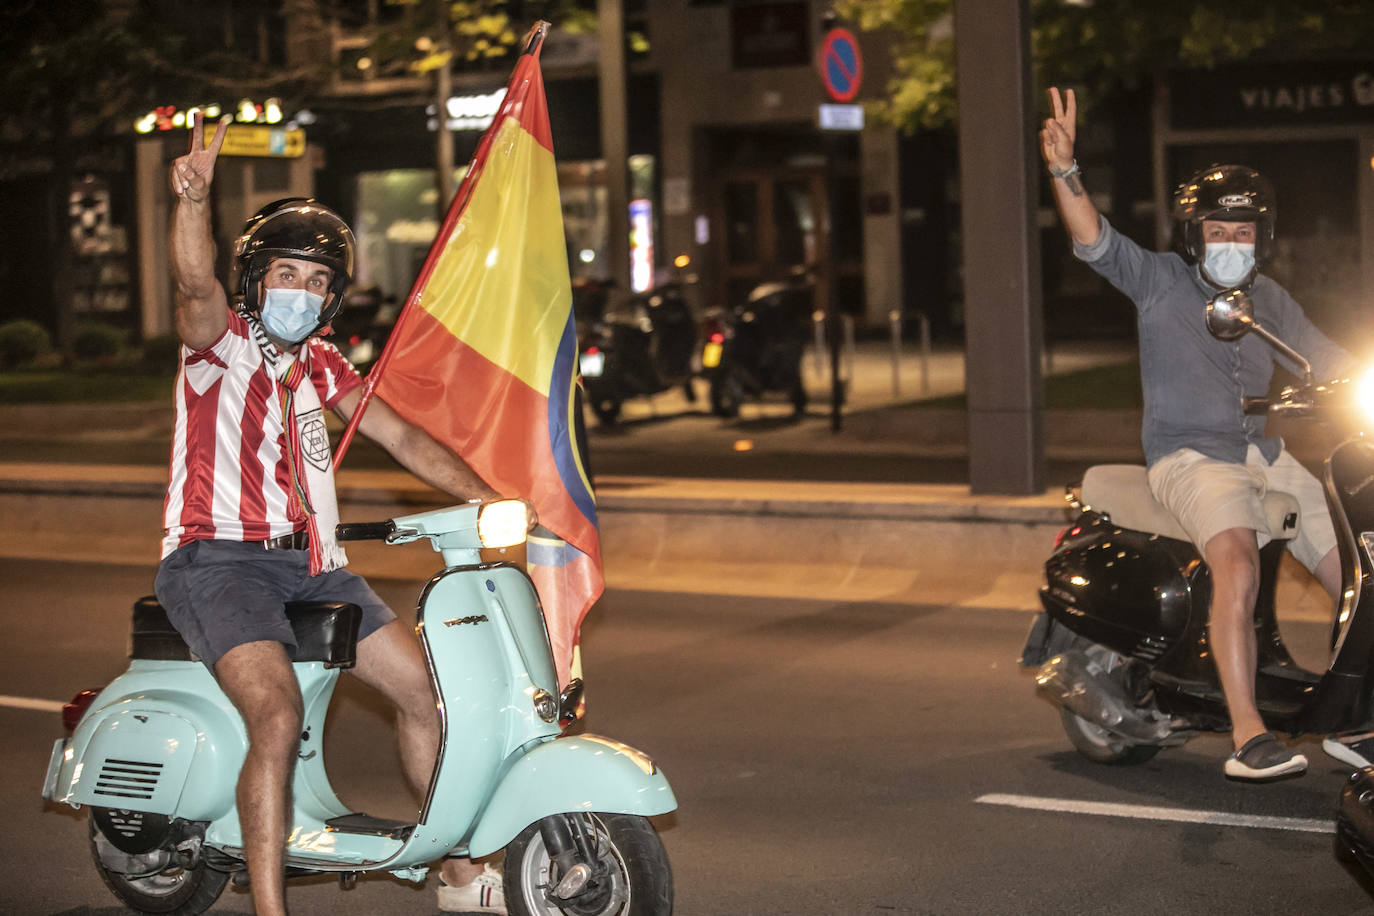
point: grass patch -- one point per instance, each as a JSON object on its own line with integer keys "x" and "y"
{"x": 103, "y": 386}
{"x": 1111, "y": 387}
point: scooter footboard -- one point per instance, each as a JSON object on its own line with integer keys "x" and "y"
{"x": 580, "y": 773}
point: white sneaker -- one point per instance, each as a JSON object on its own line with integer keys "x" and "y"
{"x": 484, "y": 894}
{"x": 1356, "y": 750}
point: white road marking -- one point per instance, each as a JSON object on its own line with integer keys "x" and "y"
{"x": 30, "y": 703}
{"x": 1154, "y": 813}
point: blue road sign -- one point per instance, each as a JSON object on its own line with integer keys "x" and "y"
{"x": 841, "y": 65}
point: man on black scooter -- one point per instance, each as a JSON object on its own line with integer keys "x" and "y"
{"x": 250, "y": 510}
{"x": 1209, "y": 465}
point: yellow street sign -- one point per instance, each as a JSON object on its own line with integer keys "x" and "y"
{"x": 260, "y": 140}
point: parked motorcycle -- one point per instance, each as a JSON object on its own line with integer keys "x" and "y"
{"x": 361, "y": 327}
{"x": 156, "y": 754}
{"x": 643, "y": 348}
{"x": 755, "y": 350}
{"x": 1122, "y": 646}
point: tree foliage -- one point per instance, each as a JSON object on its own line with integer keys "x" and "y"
{"x": 417, "y": 36}
{"x": 1098, "y": 45}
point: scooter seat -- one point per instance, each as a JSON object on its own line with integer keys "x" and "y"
{"x": 326, "y": 631}
{"x": 1121, "y": 491}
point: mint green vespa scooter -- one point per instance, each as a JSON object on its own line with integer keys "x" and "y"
{"x": 156, "y": 754}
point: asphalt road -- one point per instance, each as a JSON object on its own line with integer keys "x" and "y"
{"x": 829, "y": 758}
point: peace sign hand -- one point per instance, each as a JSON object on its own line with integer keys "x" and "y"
{"x": 192, "y": 173}
{"x": 1057, "y": 135}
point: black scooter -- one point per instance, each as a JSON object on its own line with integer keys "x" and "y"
{"x": 642, "y": 348}
{"x": 756, "y": 349}
{"x": 1122, "y": 646}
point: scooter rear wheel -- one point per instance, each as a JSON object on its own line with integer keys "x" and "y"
{"x": 174, "y": 891}
{"x": 726, "y": 395}
{"x": 1096, "y": 743}
{"x": 637, "y": 880}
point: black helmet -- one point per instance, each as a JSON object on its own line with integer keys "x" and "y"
{"x": 296, "y": 227}
{"x": 1230, "y": 193}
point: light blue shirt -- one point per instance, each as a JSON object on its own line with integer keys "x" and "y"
{"x": 1193, "y": 383}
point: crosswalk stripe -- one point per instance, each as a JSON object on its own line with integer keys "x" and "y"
{"x": 1156, "y": 813}
{"x": 30, "y": 703}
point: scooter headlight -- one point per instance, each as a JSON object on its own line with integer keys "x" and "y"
{"x": 502, "y": 523}
{"x": 1364, "y": 396}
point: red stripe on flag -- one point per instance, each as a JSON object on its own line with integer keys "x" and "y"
{"x": 528, "y": 103}
{"x": 566, "y": 594}
{"x": 499, "y": 424}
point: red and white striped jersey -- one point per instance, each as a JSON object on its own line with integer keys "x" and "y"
{"x": 230, "y": 478}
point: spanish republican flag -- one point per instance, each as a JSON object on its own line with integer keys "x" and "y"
{"x": 484, "y": 355}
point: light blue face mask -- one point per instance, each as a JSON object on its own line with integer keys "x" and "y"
{"x": 291, "y": 314}
{"x": 1229, "y": 263}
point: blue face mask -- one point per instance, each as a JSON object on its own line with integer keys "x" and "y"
{"x": 291, "y": 314}
{"x": 1229, "y": 263}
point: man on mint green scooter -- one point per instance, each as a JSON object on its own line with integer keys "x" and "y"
{"x": 250, "y": 510}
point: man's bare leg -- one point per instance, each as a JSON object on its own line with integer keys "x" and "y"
{"x": 390, "y": 661}
{"x": 1233, "y": 558}
{"x": 258, "y": 680}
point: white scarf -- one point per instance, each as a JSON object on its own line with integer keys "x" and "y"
{"x": 307, "y": 453}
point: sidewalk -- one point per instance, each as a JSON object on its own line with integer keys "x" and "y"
{"x": 906, "y": 542}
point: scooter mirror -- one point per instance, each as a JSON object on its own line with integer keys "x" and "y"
{"x": 1230, "y": 315}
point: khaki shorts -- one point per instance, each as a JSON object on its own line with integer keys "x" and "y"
{"x": 1208, "y": 496}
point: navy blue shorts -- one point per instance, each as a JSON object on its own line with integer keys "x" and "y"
{"x": 222, "y": 594}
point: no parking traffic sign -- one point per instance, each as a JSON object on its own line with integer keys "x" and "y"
{"x": 841, "y": 65}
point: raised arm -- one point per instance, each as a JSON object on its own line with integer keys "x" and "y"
{"x": 1057, "y": 137}
{"x": 201, "y": 313}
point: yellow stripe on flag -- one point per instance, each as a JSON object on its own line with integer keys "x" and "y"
{"x": 507, "y": 254}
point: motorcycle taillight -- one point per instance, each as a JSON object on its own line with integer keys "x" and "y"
{"x": 717, "y": 338}
{"x": 73, "y": 711}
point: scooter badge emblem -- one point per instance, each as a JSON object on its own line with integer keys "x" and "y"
{"x": 459, "y": 621}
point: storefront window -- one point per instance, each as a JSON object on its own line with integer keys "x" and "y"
{"x": 395, "y": 226}
{"x": 396, "y": 222}
{"x": 582, "y": 187}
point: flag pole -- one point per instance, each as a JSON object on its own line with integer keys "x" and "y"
{"x": 534, "y": 42}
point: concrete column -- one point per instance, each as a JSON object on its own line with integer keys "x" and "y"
{"x": 152, "y": 203}
{"x": 1365, "y": 187}
{"x": 614, "y": 141}
{"x": 882, "y": 229}
{"x": 998, "y": 173}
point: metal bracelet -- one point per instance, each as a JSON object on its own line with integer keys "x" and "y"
{"x": 1065, "y": 173}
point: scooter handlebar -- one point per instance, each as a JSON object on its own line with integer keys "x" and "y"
{"x": 365, "y": 531}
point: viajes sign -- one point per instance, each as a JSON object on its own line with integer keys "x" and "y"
{"x": 1297, "y": 94}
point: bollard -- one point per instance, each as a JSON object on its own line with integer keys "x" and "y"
{"x": 847, "y": 323}
{"x": 894, "y": 321}
{"x": 925, "y": 351}
{"x": 818, "y": 326}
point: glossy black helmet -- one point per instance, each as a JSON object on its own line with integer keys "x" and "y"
{"x": 1229, "y": 193}
{"x": 296, "y": 227}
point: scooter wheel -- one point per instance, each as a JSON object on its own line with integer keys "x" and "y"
{"x": 174, "y": 891}
{"x": 607, "y": 410}
{"x": 1101, "y": 746}
{"x": 1096, "y": 743}
{"x": 725, "y": 397}
{"x": 631, "y": 872}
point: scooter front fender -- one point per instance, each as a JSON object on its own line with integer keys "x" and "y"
{"x": 581, "y": 773}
